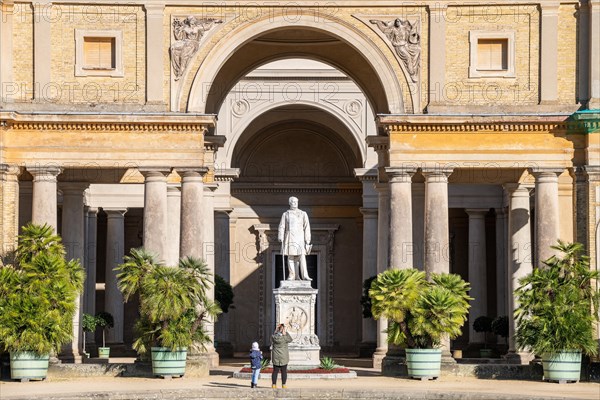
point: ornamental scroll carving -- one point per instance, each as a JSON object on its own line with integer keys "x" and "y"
{"x": 187, "y": 33}
{"x": 406, "y": 40}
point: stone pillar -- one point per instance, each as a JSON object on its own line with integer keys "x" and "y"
{"x": 437, "y": 54}
{"x": 115, "y": 251}
{"x": 44, "y": 200}
{"x": 173, "y": 224}
{"x": 546, "y": 213}
{"x": 89, "y": 294}
{"x": 222, "y": 268}
{"x": 594, "y": 54}
{"x": 477, "y": 270}
{"x": 519, "y": 259}
{"x": 436, "y": 220}
{"x": 208, "y": 250}
{"x": 9, "y": 208}
{"x": 72, "y": 238}
{"x": 154, "y": 55}
{"x": 192, "y": 193}
{"x": 383, "y": 230}
{"x": 42, "y": 46}
{"x": 7, "y": 83}
{"x": 501, "y": 268}
{"x": 401, "y": 241}
{"x": 155, "y": 211}
{"x": 549, "y": 53}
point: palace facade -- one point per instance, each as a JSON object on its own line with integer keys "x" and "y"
{"x": 451, "y": 137}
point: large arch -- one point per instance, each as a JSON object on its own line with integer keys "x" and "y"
{"x": 385, "y": 94}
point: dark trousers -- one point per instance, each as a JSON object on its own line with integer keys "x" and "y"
{"x": 276, "y": 369}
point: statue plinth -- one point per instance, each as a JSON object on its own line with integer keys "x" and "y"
{"x": 295, "y": 307}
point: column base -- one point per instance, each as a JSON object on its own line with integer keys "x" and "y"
{"x": 211, "y": 356}
{"x": 378, "y": 357}
{"x": 522, "y": 357}
{"x": 198, "y": 365}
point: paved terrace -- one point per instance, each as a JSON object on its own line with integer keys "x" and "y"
{"x": 219, "y": 385}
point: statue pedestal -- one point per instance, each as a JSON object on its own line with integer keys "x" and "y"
{"x": 295, "y": 307}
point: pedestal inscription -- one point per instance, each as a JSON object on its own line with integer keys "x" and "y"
{"x": 295, "y": 307}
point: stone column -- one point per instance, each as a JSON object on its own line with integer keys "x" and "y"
{"x": 401, "y": 241}
{"x": 72, "y": 238}
{"x": 222, "y": 268}
{"x": 436, "y": 220}
{"x": 115, "y": 251}
{"x": 477, "y": 270}
{"x": 549, "y": 53}
{"x": 208, "y": 250}
{"x": 155, "y": 210}
{"x": 9, "y": 208}
{"x": 192, "y": 193}
{"x": 173, "y": 224}
{"x": 89, "y": 294}
{"x": 501, "y": 268}
{"x": 44, "y": 200}
{"x": 594, "y": 54}
{"x": 546, "y": 213}
{"x": 8, "y": 87}
{"x": 519, "y": 259}
{"x": 383, "y": 230}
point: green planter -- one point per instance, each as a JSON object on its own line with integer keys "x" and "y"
{"x": 562, "y": 367}
{"x": 26, "y": 365}
{"x": 424, "y": 364}
{"x": 103, "y": 352}
{"x": 167, "y": 363}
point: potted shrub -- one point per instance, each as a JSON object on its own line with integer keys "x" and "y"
{"x": 173, "y": 307}
{"x": 105, "y": 321}
{"x": 421, "y": 312}
{"x": 558, "y": 307}
{"x": 88, "y": 324}
{"x": 500, "y": 328}
{"x": 483, "y": 324}
{"x": 38, "y": 291}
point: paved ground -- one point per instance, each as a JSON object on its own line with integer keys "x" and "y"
{"x": 369, "y": 385}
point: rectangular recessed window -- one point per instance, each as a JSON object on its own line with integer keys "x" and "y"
{"x": 492, "y": 54}
{"x": 99, "y": 52}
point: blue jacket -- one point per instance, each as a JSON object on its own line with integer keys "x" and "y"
{"x": 255, "y": 357}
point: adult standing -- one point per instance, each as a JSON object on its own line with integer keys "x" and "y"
{"x": 280, "y": 355}
{"x": 294, "y": 235}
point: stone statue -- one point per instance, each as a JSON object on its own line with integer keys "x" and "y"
{"x": 187, "y": 33}
{"x": 406, "y": 41}
{"x": 294, "y": 235}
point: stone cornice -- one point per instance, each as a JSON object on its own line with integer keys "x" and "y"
{"x": 199, "y": 123}
{"x": 226, "y": 174}
{"x": 299, "y": 188}
{"x": 560, "y": 123}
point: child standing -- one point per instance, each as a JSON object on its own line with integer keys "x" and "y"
{"x": 255, "y": 359}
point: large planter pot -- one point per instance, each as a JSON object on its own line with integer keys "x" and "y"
{"x": 167, "y": 363}
{"x": 424, "y": 364}
{"x": 103, "y": 352}
{"x": 562, "y": 367}
{"x": 26, "y": 365}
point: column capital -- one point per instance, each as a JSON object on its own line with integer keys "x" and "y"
{"x": 154, "y": 9}
{"x": 155, "y": 173}
{"x": 400, "y": 174}
{"x": 115, "y": 212}
{"x": 210, "y": 187}
{"x": 588, "y": 173}
{"x": 212, "y": 143}
{"x": 8, "y": 171}
{"x": 73, "y": 188}
{"x": 546, "y": 174}
{"x": 369, "y": 212}
{"x": 92, "y": 210}
{"x": 44, "y": 173}
{"x": 518, "y": 189}
{"x": 549, "y": 8}
{"x": 188, "y": 174}
{"x": 436, "y": 174}
{"x": 476, "y": 212}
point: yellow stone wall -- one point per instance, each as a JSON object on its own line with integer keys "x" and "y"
{"x": 567, "y": 54}
{"x": 9, "y": 211}
{"x": 524, "y": 20}
{"x": 130, "y": 19}
{"x": 23, "y": 51}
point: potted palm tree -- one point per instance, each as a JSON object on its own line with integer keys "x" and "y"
{"x": 105, "y": 321}
{"x": 173, "y": 307}
{"x": 421, "y": 312}
{"x": 38, "y": 291}
{"x": 558, "y": 307}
